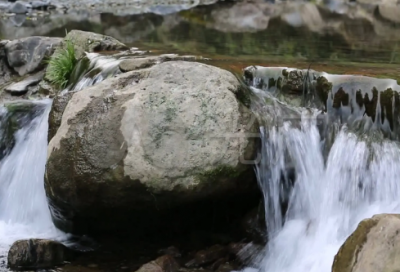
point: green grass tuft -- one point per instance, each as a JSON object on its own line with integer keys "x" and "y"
{"x": 61, "y": 65}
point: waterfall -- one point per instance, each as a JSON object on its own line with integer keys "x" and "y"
{"x": 24, "y": 212}
{"x": 334, "y": 189}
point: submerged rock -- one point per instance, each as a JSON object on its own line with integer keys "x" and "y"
{"x": 149, "y": 140}
{"x": 35, "y": 254}
{"x": 373, "y": 246}
{"x": 28, "y": 55}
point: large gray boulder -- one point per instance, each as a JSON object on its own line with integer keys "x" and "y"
{"x": 147, "y": 140}
{"x": 28, "y": 55}
{"x": 373, "y": 246}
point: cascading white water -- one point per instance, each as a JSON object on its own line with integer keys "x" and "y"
{"x": 24, "y": 212}
{"x": 330, "y": 196}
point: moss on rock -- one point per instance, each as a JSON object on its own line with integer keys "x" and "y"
{"x": 220, "y": 172}
{"x": 347, "y": 255}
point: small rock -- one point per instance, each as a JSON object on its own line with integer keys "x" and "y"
{"x": 21, "y": 87}
{"x": 19, "y": 8}
{"x": 37, "y": 254}
{"x": 46, "y": 88}
{"x": 92, "y": 266}
{"x": 164, "y": 263}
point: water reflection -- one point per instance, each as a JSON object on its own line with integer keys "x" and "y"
{"x": 306, "y": 32}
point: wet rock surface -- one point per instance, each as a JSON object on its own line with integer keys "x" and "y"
{"x": 37, "y": 254}
{"x": 22, "y": 87}
{"x": 356, "y": 100}
{"x": 373, "y": 246}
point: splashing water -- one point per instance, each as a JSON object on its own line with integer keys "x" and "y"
{"x": 24, "y": 212}
{"x": 330, "y": 196}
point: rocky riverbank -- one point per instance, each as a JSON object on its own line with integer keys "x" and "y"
{"x": 284, "y": 31}
{"x": 172, "y": 178}
{"x": 150, "y": 158}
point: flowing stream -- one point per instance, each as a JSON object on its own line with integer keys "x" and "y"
{"x": 336, "y": 185}
{"x": 24, "y": 212}
{"x": 339, "y": 180}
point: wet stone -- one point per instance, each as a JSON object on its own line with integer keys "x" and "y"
{"x": 22, "y": 87}
{"x": 35, "y": 254}
{"x": 292, "y": 82}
